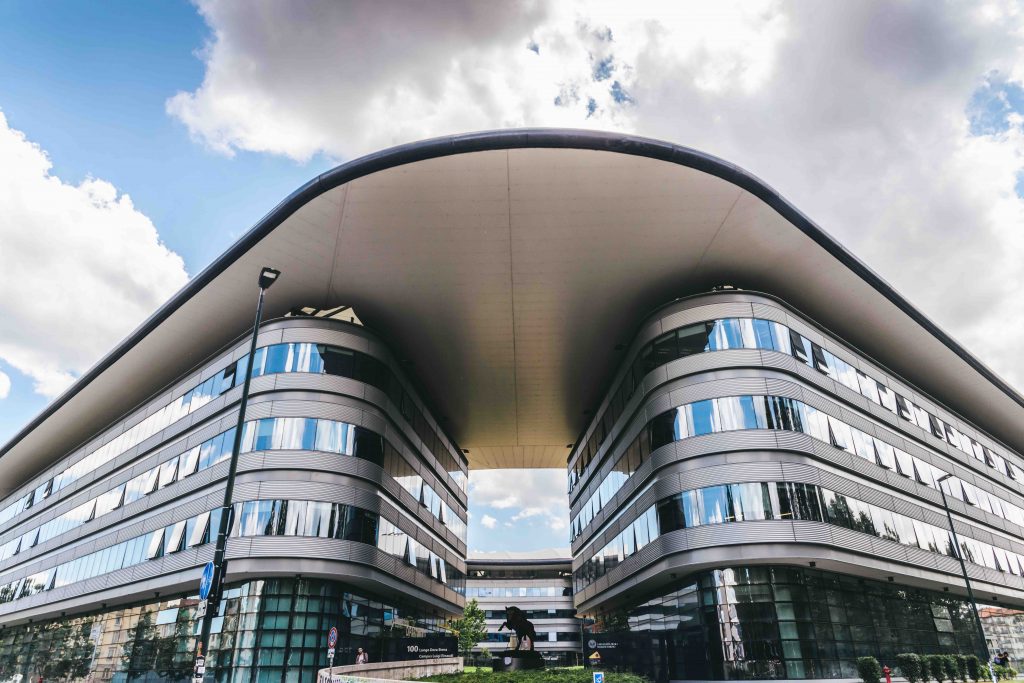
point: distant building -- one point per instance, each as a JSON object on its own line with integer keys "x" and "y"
{"x": 1004, "y": 630}
{"x": 539, "y": 583}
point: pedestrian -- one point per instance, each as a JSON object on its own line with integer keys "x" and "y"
{"x": 361, "y": 656}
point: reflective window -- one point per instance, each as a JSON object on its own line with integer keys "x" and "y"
{"x": 755, "y": 333}
{"x": 780, "y": 413}
{"x": 731, "y": 503}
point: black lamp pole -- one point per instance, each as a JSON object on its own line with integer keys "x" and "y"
{"x": 268, "y": 276}
{"x": 963, "y": 568}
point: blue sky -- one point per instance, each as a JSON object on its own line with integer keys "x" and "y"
{"x": 87, "y": 82}
{"x": 898, "y": 127}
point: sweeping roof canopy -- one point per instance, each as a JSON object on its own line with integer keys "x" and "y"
{"x": 505, "y": 267}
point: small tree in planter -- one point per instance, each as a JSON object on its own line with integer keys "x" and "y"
{"x": 869, "y": 669}
{"x": 949, "y": 666}
{"x": 937, "y": 667}
{"x": 909, "y": 665}
{"x": 961, "y": 667}
{"x": 973, "y": 667}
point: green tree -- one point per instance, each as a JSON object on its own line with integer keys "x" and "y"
{"x": 909, "y": 665}
{"x": 961, "y": 667}
{"x": 471, "y": 628}
{"x": 974, "y": 667}
{"x": 949, "y": 666}
{"x": 937, "y": 667}
{"x": 869, "y": 669}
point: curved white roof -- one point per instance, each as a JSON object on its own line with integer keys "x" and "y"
{"x": 506, "y": 266}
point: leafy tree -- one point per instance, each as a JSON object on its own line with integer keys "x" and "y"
{"x": 949, "y": 666}
{"x": 868, "y": 669}
{"x": 973, "y": 667}
{"x": 937, "y": 667}
{"x": 471, "y": 628}
{"x": 961, "y": 667}
{"x": 909, "y": 665}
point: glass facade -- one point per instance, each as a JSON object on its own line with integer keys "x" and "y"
{"x": 266, "y": 434}
{"x": 780, "y": 622}
{"x": 274, "y": 359}
{"x": 752, "y": 502}
{"x": 268, "y": 631}
{"x": 755, "y": 333}
{"x": 780, "y": 413}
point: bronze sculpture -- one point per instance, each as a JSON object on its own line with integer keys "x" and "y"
{"x": 516, "y": 621}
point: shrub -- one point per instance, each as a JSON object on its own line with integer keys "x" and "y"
{"x": 949, "y": 666}
{"x": 961, "y": 667}
{"x": 1005, "y": 672}
{"x": 926, "y": 669}
{"x": 869, "y": 669}
{"x": 909, "y": 665}
{"x": 937, "y": 667}
{"x": 973, "y": 667}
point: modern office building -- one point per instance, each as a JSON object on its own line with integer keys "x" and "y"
{"x": 539, "y": 583}
{"x": 754, "y": 425}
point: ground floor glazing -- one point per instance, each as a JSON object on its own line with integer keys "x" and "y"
{"x": 777, "y": 622}
{"x": 266, "y": 631}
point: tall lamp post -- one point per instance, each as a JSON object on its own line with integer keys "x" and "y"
{"x": 268, "y": 276}
{"x": 963, "y": 568}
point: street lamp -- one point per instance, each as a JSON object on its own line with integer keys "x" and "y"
{"x": 963, "y": 568}
{"x": 268, "y": 276}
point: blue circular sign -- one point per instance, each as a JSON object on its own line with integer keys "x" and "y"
{"x": 332, "y": 637}
{"x": 206, "y": 583}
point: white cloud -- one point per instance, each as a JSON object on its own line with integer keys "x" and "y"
{"x": 857, "y": 112}
{"x": 488, "y": 521}
{"x": 82, "y": 267}
{"x": 5, "y": 385}
{"x": 537, "y": 494}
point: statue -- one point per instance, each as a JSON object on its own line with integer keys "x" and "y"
{"x": 517, "y": 659}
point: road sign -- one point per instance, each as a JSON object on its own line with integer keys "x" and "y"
{"x": 332, "y": 637}
{"x": 330, "y": 653}
{"x": 598, "y": 677}
{"x": 206, "y": 583}
{"x": 201, "y": 609}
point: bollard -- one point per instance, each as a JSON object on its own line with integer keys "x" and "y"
{"x": 887, "y": 671}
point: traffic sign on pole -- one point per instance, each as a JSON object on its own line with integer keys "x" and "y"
{"x": 332, "y": 640}
{"x": 206, "y": 583}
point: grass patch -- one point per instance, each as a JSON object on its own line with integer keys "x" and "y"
{"x": 574, "y": 674}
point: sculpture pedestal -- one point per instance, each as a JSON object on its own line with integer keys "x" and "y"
{"x": 517, "y": 660}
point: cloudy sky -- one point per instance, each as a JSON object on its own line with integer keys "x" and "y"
{"x": 137, "y": 141}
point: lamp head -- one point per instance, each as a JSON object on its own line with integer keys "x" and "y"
{"x": 268, "y": 276}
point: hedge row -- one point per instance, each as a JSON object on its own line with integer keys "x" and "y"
{"x": 939, "y": 668}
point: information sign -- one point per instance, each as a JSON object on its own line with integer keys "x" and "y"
{"x": 598, "y": 677}
{"x": 206, "y": 583}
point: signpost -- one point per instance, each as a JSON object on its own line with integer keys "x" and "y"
{"x": 205, "y": 586}
{"x": 332, "y": 640}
